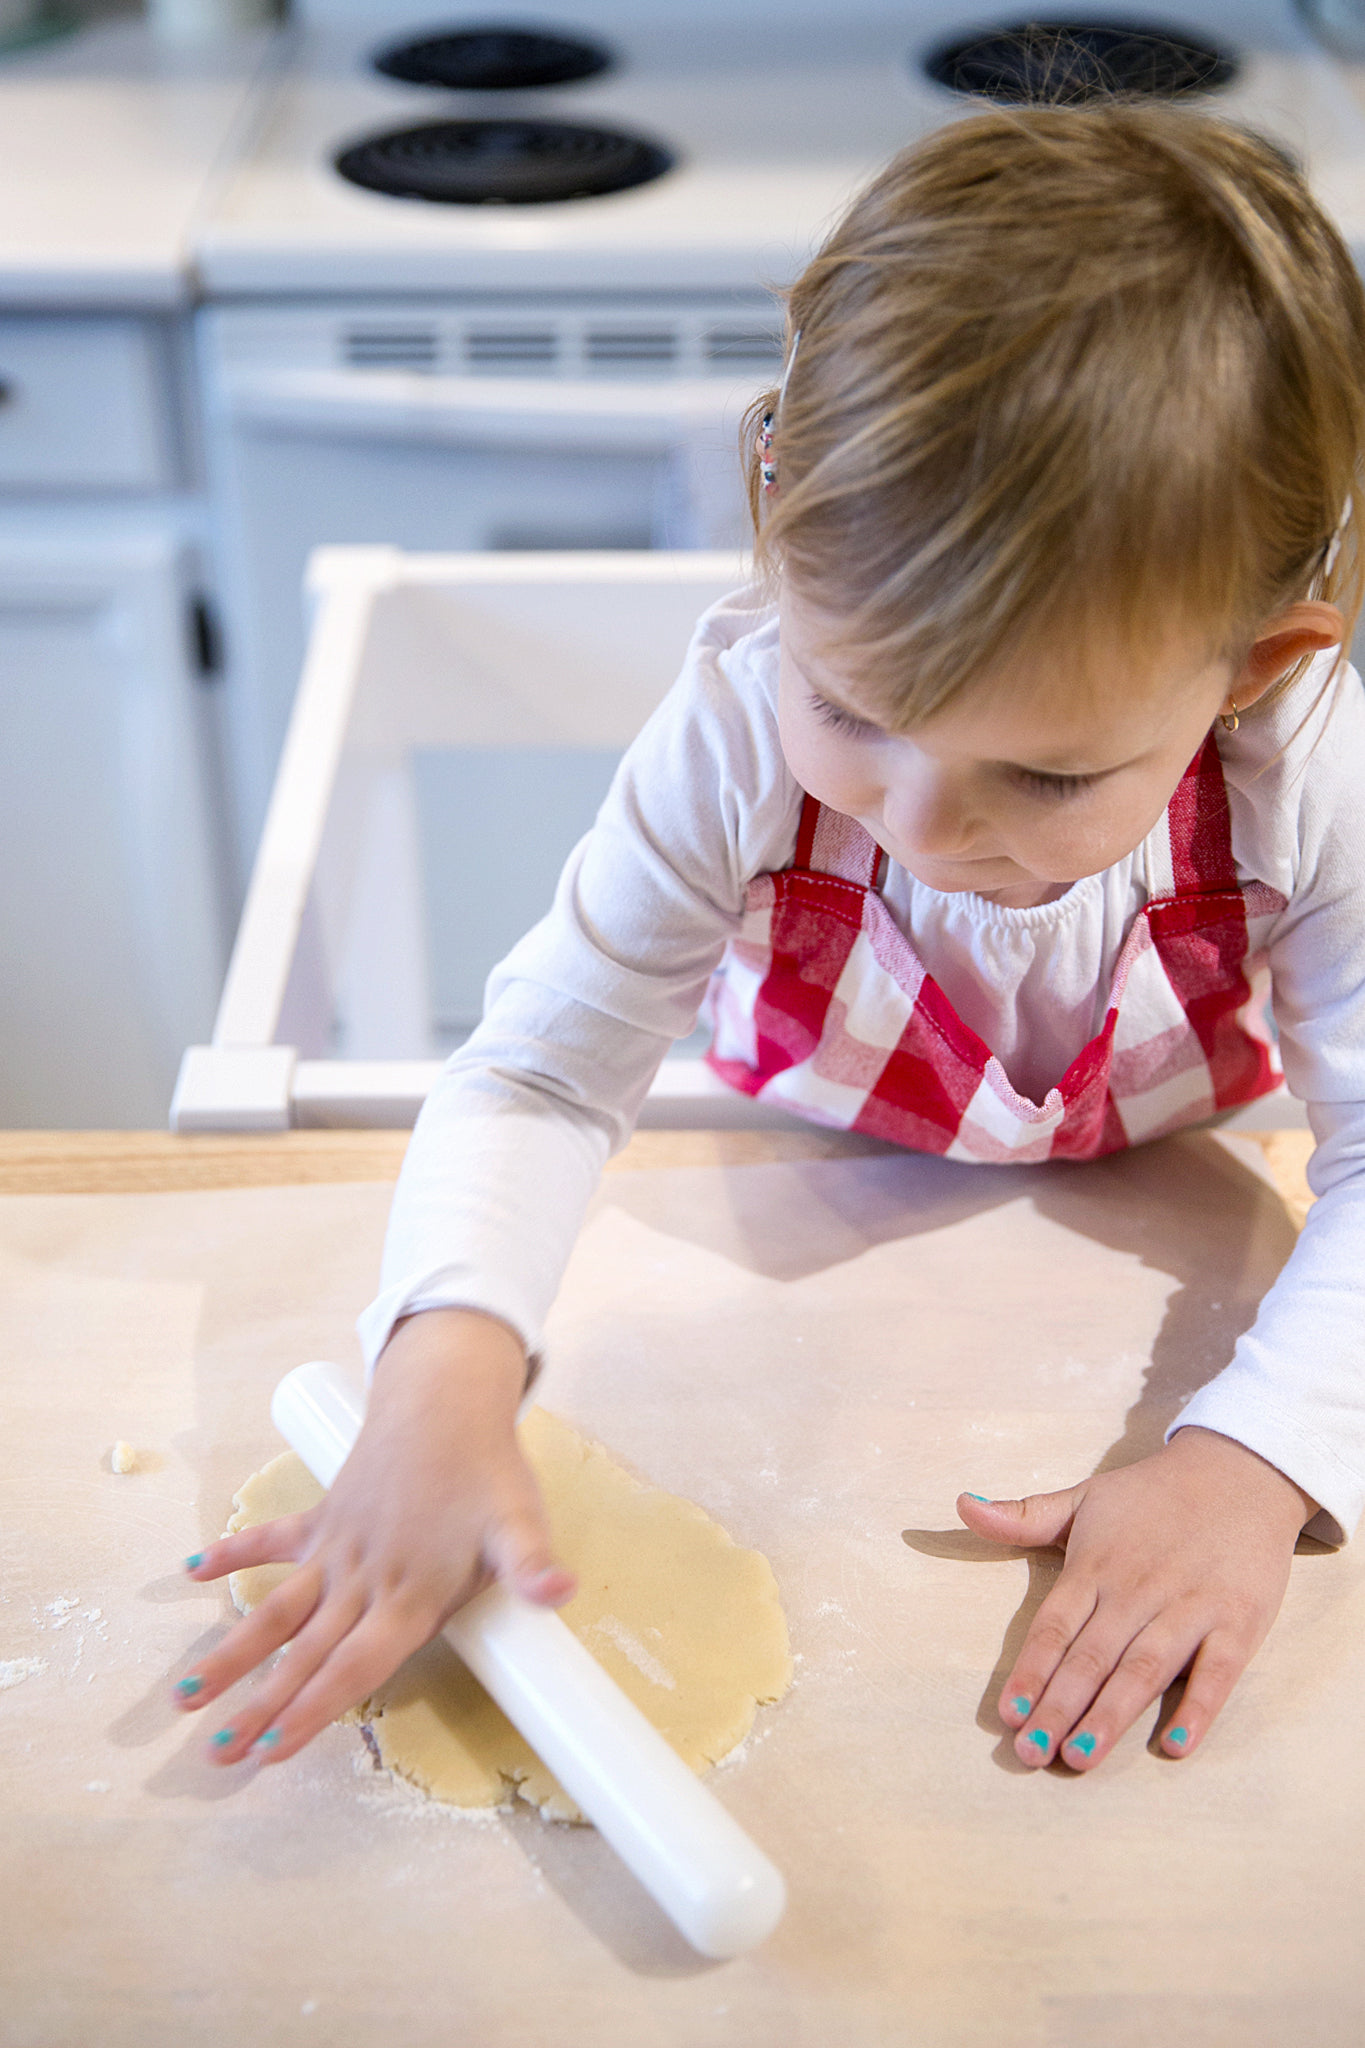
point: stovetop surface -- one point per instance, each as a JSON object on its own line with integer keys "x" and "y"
{"x": 771, "y": 128}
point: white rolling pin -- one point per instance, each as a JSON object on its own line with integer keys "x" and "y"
{"x": 716, "y": 1886}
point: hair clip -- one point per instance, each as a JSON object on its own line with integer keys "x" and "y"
{"x": 787, "y": 373}
{"x": 1334, "y": 544}
{"x": 767, "y": 467}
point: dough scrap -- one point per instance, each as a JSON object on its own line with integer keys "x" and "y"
{"x": 688, "y": 1624}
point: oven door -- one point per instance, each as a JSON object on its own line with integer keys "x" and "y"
{"x": 305, "y": 456}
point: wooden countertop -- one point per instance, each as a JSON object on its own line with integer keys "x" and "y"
{"x": 158, "y": 1162}
{"x": 822, "y": 1371}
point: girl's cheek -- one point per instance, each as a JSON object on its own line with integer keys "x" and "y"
{"x": 1069, "y": 848}
{"x": 792, "y": 739}
{"x": 819, "y": 764}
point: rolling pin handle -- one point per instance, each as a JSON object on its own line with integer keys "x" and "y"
{"x": 318, "y": 1413}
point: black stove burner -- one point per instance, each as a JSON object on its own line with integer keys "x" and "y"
{"x": 493, "y": 59}
{"x": 1068, "y": 62}
{"x": 502, "y": 163}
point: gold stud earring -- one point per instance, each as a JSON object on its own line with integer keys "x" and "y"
{"x": 1229, "y": 719}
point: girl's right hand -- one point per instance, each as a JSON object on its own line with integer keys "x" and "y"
{"x": 434, "y": 1501}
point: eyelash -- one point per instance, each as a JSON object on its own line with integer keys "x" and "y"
{"x": 839, "y": 720}
{"x": 1054, "y": 788}
{"x": 1051, "y": 788}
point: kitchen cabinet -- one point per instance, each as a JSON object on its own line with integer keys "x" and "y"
{"x": 112, "y": 936}
{"x": 111, "y": 925}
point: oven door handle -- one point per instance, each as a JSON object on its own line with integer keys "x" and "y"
{"x": 609, "y": 416}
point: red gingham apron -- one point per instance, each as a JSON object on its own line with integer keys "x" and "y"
{"x": 823, "y": 1006}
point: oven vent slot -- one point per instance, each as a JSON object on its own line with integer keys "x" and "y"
{"x": 391, "y": 348}
{"x": 747, "y": 347}
{"x": 624, "y": 348}
{"x": 511, "y": 348}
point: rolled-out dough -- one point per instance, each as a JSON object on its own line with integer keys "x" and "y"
{"x": 687, "y": 1623}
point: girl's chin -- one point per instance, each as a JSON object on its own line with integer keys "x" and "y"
{"x": 998, "y": 881}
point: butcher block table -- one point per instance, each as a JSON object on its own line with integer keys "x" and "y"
{"x": 822, "y": 1342}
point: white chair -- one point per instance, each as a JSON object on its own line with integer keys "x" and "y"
{"x": 325, "y": 1016}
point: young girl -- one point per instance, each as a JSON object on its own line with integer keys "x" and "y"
{"x": 1034, "y": 758}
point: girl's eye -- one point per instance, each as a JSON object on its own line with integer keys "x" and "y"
{"x": 1053, "y": 788}
{"x": 839, "y": 720}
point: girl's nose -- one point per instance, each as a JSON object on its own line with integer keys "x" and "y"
{"x": 928, "y": 814}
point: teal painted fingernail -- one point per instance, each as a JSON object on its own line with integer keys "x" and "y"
{"x": 1177, "y": 1734}
{"x": 188, "y": 1687}
{"x": 268, "y": 1739}
{"x": 1085, "y": 1743}
{"x": 192, "y": 1564}
{"x": 224, "y": 1737}
{"x": 1021, "y": 1705}
{"x": 984, "y": 1498}
{"x": 1039, "y": 1738}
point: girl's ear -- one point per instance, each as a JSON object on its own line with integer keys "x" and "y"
{"x": 1304, "y": 628}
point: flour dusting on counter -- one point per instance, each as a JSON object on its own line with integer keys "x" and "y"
{"x": 17, "y": 1669}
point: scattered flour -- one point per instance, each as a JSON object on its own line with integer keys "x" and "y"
{"x": 398, "y": 1797}
{"x": 99, "y": 1785}
{"x": 630, "y": 1646}
{"x": 17, "y": 1669}
{"x": 95, "y": 1617}
{"x": 62, "y": 1609}
{"x": 742, "y": 1749}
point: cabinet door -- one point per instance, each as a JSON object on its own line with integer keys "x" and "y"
{"x": 83, "y": 404}
{"x": 110, "y": 942}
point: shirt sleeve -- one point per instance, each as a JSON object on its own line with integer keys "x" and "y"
{"x": 509, "y": 1144}
{"x": 1294, "y": 1391}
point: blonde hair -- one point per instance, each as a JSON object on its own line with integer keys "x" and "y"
{"x": 1080, "y": 373}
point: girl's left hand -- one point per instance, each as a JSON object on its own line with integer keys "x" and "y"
{"x": 1180, "y": 1560}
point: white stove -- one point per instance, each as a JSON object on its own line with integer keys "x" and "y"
{"x": 531, "y": 376}
{"x": 772, "y": 120}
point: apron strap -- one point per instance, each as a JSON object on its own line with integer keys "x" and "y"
{"x": 1200, "y": 825}
{"x": 828, "y": 843}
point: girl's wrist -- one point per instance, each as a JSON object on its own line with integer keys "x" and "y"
{"x": 453, "y": 1351}
{"x": 1225, "y": 1454}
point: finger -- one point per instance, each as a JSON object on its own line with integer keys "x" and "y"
{"x": 1067, "y": 1610}
{"x": 253, "y": 1639}
{"x": 1219, "y": 1663}
{"x": 1068, "y": 1700}
{"x": 518, "y": 1550}
{"x": 278, "y": 1542}
{"x": 1152, "y": 1659}
{"x": 1040, "y": 1518}
{"x": 329, "y": 1624}
{"x": 359, "y": 1663}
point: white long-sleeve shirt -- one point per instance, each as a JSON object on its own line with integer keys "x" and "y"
{"x": 509, "y": 1145}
